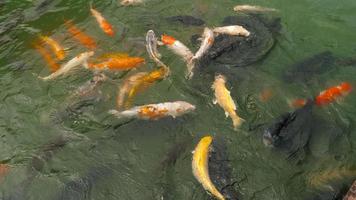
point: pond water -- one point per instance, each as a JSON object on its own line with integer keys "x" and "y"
{"x": 59, "y": 147}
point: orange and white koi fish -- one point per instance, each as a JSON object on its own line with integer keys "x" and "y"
{"x": 103, "y": 23}
{"x": 130, "y": 2}
{"x": 118, "y": 63}
{"x": 56, "y": 47}
{"x": 144, "y": 82}
{"x": 156, "y": 111}
{"x": 223, "y": 98}
{"x": 232, "y": 30}
{"x": 250, "y": 8}
{"x": 47, "y": 57}
{"x": 126, "y": 87}
{"x": 200, "y": 166}
{"x": 181, "y": 50}
{"x": 81, "y": 59}
{"x": 151, "y": 46}
{"x": 333, "y": 93}
{"x": 80, "y": 36}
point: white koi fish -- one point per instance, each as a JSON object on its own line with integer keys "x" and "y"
{"x": 223, "y": 98}
{"x": 130, "y": 2}
{"x": 250, "y": 8}
{"x": 232, "y": 30}
{"x": 200, "y": 166}
{"x": 81, "y": 59}
{"x": 151, "y": 46}
{"x": 156, "y": 111}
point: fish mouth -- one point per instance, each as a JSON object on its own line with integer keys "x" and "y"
{"x": 268, "y": 139}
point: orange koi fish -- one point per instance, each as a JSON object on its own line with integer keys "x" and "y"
{"x": 80, "y": 36}
{"x": 266, "y": 94}
{"x": 47, "y": 57}
{"x": 4, "y": 169}
{"x": 331, "y": 94}
{"x": 103, "y": 23}
{"x": 56, "y": 47}
{"x": 298, "y": 103}
{"x": 118, "y": 63}
{"x": 144, "y": 82}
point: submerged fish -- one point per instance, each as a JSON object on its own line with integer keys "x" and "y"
{"x": 103, "y": 23}
{"x": 250, "y": 8}
{"x": 53, "y": 65}
{"x": 151, "y": 46}
{"x": 144, "y": 82}
{"x": 200, "y": 166}
{"x": 180, "y": 49}
{"x": 331, "y": 94}
{"x": 80, "y": 36}
{"x": 4, "y": 169}
{"x": 118, "y": 63}
{"x": 291, "y": 131}
{"x": 232, "y": 30}
{"x": 223, "y": 98}
{"x": 156, "y": 111}
{"x": 89, "y": 86}
{"x": 130, "y": 2}
{"x": 186, "y": 20}
{"x": 324, "y": 178}
{"x": 81, "y": 59}
{"x": 55, "y": 46}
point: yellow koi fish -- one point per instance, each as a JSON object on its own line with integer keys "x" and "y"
{"x": 200, "y": 166}
{"x": 223, "y": 98}
{"x": 55, "y": 46}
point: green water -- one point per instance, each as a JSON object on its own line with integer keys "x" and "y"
{"x": 134, "y": 151}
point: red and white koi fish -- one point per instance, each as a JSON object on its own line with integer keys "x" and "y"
{"x": 232, "y": 30}
{"x": 250, "y": 8}
{"x": 224, "y": 99}
{"x": 80, "y": 36}
{"x": 47, "y": 57}
{"x": 130, "y": 2}
{"x": 103, "y": 23}
{"x": 56, "y": 47}
{"x": 333, "y": 93}
{"x": 156, "y": 111}
{"x": 81, "y": 59}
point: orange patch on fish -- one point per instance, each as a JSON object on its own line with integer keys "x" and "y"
{"x": 123, "y": 63}
{"x": 333, "y": 93}
{"x": 47, "y": 57}
{"x": 298, "y": 103}
{"x": 80, "y": 36}
{"x": 168, "y": 40}
{"x": 152, "y": 112}
{"x": 4, "y": 169}
{"x": 266, "y": 95}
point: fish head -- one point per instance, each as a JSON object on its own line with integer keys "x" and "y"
{"x": 206, "y": 140}
{"x": 270, "y": 137}
{"x": 185, "y": 106}
{"x": 220, "y": 78}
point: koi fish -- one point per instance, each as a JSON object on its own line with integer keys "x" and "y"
{"x": 56, "y": 47}
{"x": 70, "y": 65}
{"x": 118, "y": 63}
{"x": 144, "y": 82}
{"x": 200, "y": 166}
{"x": 89, "y": 86}
{"x": 207, "y": 42}
{"x": 4, "y": 169}
{"x": 223, "y": 98}
{"x": 80, "y": 36}
{"x": 47, "y": 57}
{"x": 266, "y": 95}
{"x": 127, "y": 86}
{"x": 103, "y": 23}
{"x": 250, "y": 8}
{"x": 156, "y": 111}
{"x": 351, "y": 194}
{"x": 130, "y": 2}
{"x": 151, "y": 46}
{"x": 232, "y": 30}
{"x": 298, "y": 103}
{"x": 325, "y": 177}
{"x": 331, "y": 94}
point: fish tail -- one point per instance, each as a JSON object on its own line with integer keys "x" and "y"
{"x": 116, "y": 113}
{"x": 236, "y": 121}
{"x": 190, "y": 66}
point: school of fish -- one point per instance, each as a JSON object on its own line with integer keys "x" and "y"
{"x": 54, "y": 54}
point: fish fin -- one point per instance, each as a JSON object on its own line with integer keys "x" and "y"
{"x": 215, "y": 101}
{"x": 193, "y": 152}
{"x": 226, "y": 114}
